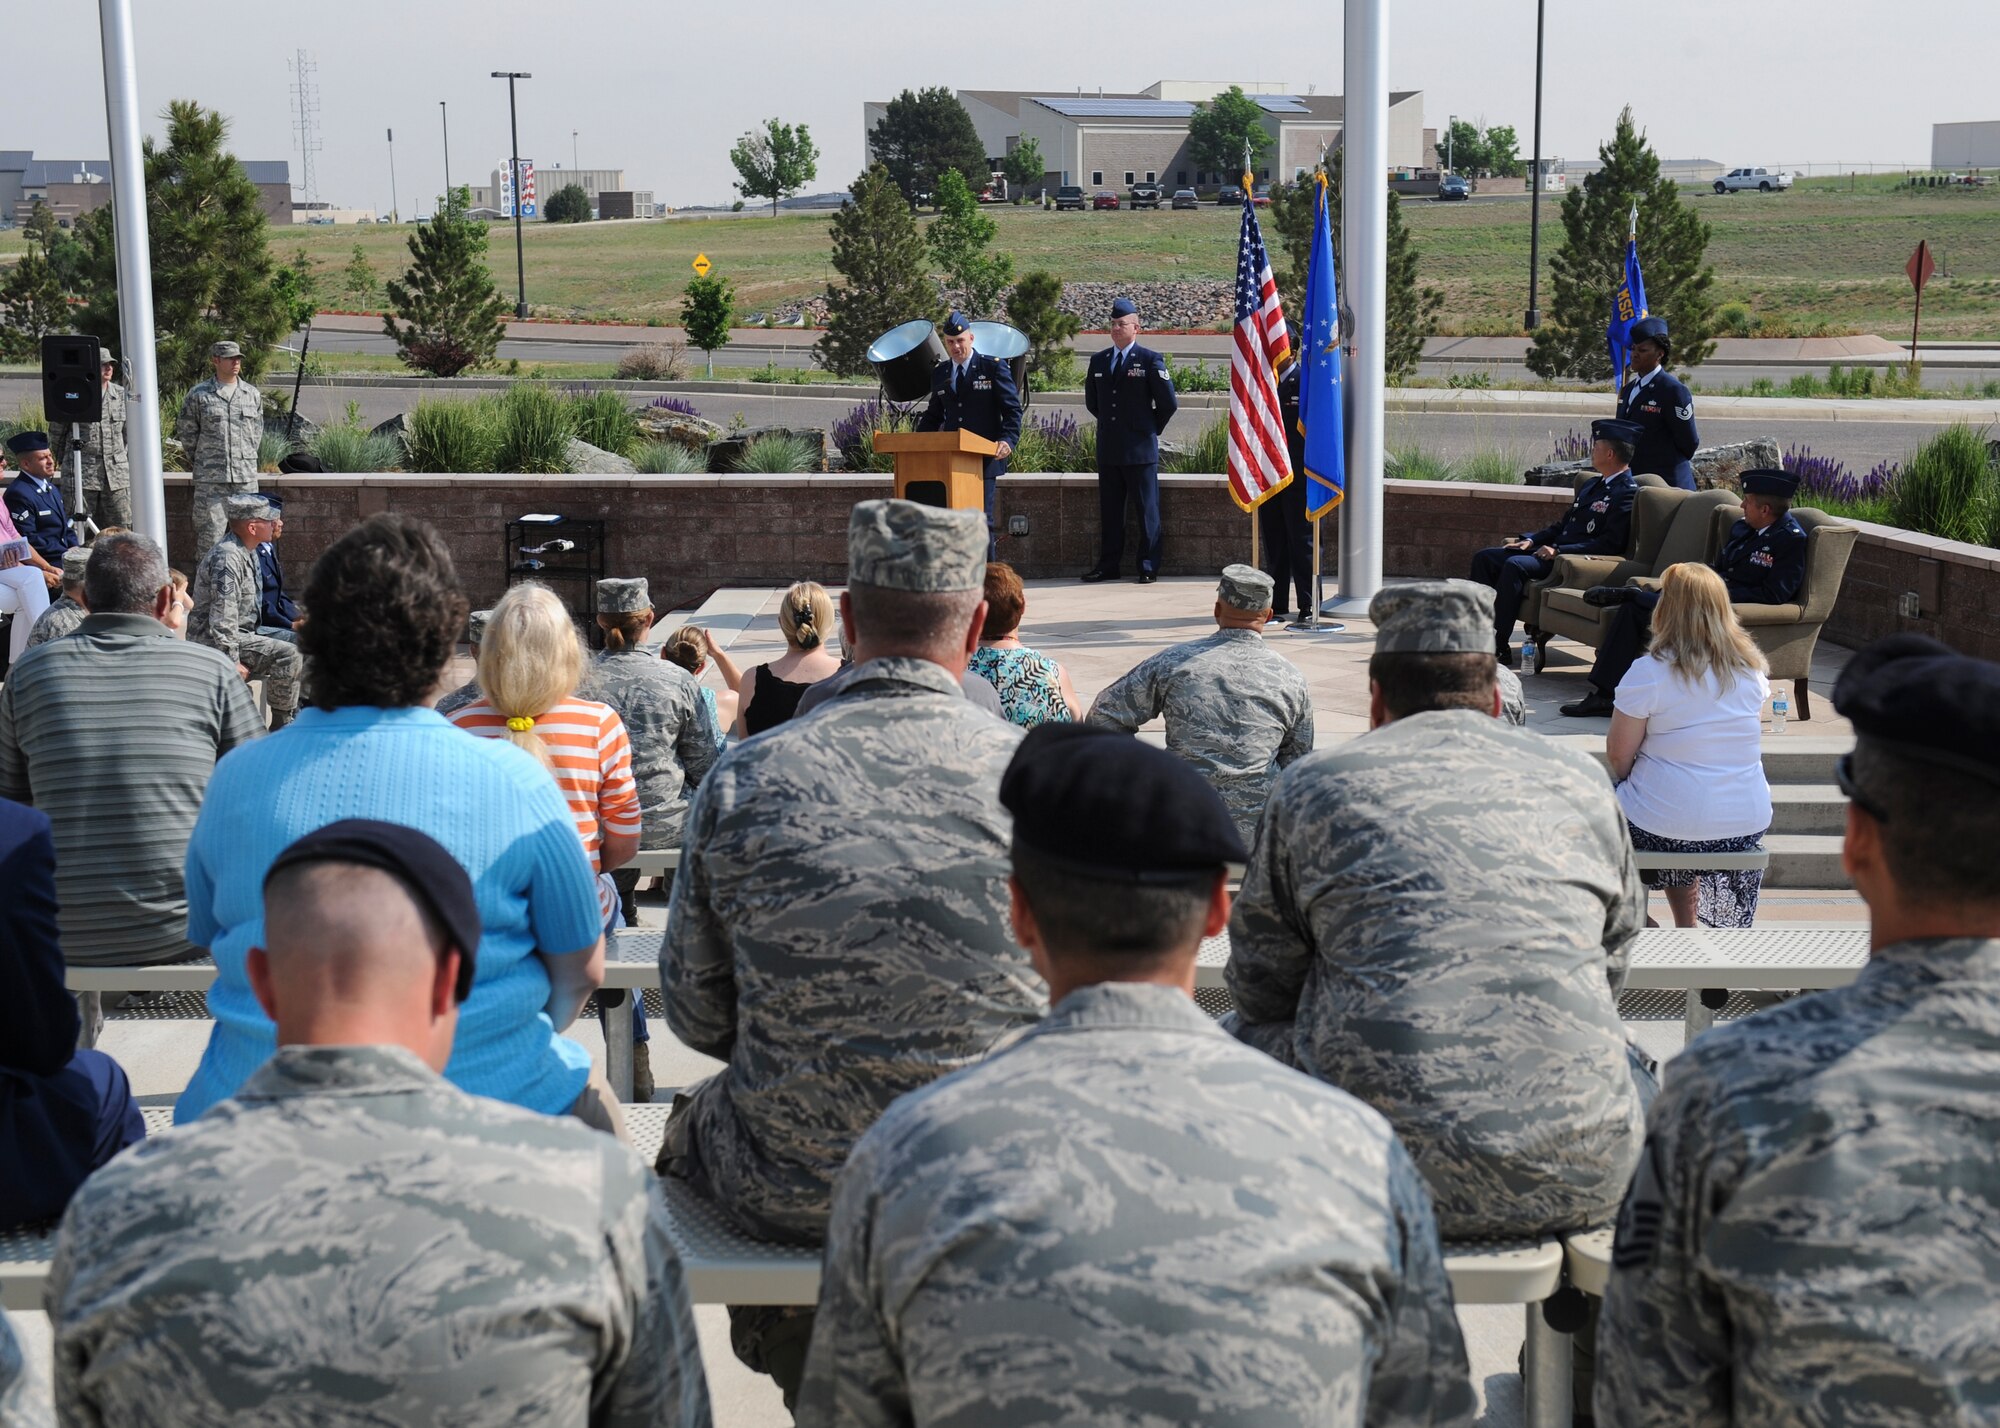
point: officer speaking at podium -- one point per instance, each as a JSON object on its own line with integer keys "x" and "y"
{"x": 973, "y": 392}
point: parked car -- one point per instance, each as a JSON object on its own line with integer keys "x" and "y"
{"x": 1232, "y": 197}
{"x": 1454, "y": 186}
{"x": 1104, "y": 198}
{"x": 1145, "y": 195}
{"x": 1069, "y": 196}
{"x": 1185, "y": 198}
{"x": 1763, "y": 180}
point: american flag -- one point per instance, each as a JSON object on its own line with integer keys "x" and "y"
{"x": 1260, "y": 465}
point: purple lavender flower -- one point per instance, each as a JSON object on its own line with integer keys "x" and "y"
{"x": 675, "y": 404}
{"x": 846, "y": 433}
{"x": 1572, "y": 445}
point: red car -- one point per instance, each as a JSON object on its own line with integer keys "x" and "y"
{"x": 1104, "y": 198}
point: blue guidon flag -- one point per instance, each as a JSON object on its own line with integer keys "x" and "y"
{"x": 1321, "y": 421}
{"x": 1260, "y": 463}
{"x": 1628, "y": 305}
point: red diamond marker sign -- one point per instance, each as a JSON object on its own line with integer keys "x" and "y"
{"x": 1921, "y": 266}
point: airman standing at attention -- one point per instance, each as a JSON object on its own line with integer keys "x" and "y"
{"x": 1131, "y": 393}
{"x": 1661, "y": 406}
{"x": 221, "y": 426}
{"x": 107, "y": 469}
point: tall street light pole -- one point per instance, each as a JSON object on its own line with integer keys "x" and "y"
{"x": 444, "y": 118}
{"x": 514, "y": 129}
{"x": 572, "y": 150}
{"x": 395, "y": 212}
{"x": 1449, "y": 125}
{"x": 1534, "y": 317}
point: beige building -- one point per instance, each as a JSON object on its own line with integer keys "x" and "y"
{"x": 1966, "y": 146}
{"x": 549, "y": 182}
{"x": 74, "y": 187}
{"x": 1111, "y": 140}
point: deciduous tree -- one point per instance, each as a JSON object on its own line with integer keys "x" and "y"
{"x": 1025, "y": 167}
{"x": 921, "y": 134}
{"x": 775, "y": 163}
{"x": 568, "y": 204}
{"x": 708, "y": 306}
{"x": 1587, "y": 269}
{"x": 1220, "y": 128}
{"x": 958, "y": 238}
{"x": 879, "y": 253}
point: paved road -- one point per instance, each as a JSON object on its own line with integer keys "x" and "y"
{"x": 1526, "y": 436}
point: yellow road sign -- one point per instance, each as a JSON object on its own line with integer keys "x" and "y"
{"x": 701, "y": 265}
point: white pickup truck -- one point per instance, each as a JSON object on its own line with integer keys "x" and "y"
{"x": 1763, "y": 180}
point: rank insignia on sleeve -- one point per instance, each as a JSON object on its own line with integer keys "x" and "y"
{"x": 1685, "y": 413}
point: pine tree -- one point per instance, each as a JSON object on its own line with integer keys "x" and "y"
{"x": 32, "y": 305}
{"x": 452, "y": 314}
{"x": 1035, "y": 306}
{"x": 213, "y": 277}
{"x": 1412, "y": 310}
{"x": 920, "y": 135}
{"x": 1587, "y": 268}
{"x": 569, "y": 204}
{"x": 958, "y": 238}
{"x": 358, "y": 279}
{"x": 880, "y": 253}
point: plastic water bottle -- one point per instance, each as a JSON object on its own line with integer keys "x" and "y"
{"x": 1780, "y": 707}
{"x": 1528, "y": 652}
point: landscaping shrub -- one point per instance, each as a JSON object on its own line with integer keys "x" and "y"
{"x": 602, "y": 419}
{"x": 1947, "y": 488}
{"x": 777, "y": 455}
{"x": 1490, "y": 466}
{"x": 669, "y": 458}
{"x": 28, "y": 416}
{"x": 535, "y": 425}
{"x": 273, "y": 447}
{"x": 349, "y": 448}
{"x": 1206, "y": 455}
{"x": 1057, "y": 374}
{"x": 853, "y": 436}
{"x": 1413, "y": 463}
{"x": 1572, "y": 445}
{"x": 1049, "y": 443}
{"x": 442, "y": 435}
{"x": 655, "y": 362}
{"x": 1200, "y": 377}
{"x": 1736, "y": 319}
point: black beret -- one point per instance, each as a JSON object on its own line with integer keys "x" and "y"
{"x": 23, "y": 442}
{"x": 1912, "y": 696}
{"x": 419, "y": 862}
{"x": 1110, "y": 806}
{"x": 300, "y": 463}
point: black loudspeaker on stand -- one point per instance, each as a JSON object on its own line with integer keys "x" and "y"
{"x": 71, "y": 389}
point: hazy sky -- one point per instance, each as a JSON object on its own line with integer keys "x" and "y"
{"x": 663, "y": 90}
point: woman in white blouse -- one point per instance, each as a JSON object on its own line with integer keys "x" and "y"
{"x": 1686, "y": 747}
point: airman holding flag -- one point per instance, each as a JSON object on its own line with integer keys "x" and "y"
{"x": 1653, "y": 400}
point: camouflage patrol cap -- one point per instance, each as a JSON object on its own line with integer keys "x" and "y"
{"x": 900, "y": 545}
{"x": 247, "y": 507}
{"x": 73, "y": 561}
{"x": 623, "y": 597}
{"x": 475, "y": 625}
{"x": 1109, "y": 806}
{"x": 1245, "y": 587}
{"x": 225, "y": 349}
{"x": 1433, "y": 617}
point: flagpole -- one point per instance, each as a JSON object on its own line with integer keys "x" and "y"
{"x": 1254, "y": 557}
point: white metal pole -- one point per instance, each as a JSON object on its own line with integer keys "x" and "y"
{"x": 1364, "y": 250}
{"x": 135, "y": 268}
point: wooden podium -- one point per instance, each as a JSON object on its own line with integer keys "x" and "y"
{"x": 939, "y": 468}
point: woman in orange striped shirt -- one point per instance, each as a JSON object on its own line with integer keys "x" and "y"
{"x": 530, "y": 662}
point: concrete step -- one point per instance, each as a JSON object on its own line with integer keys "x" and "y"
{"x": 1808, "y": 808}
{"x": 1804, "y": 860}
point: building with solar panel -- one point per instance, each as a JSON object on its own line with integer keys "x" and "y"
{"x": 1115, "y": 140}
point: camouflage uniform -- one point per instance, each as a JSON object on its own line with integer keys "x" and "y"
{"x": 21, "y": 1405}
{"x": 226, "y": 592}
{"x": 1236, "y": 709}
{"x": 1125, "y": 1217}
{"x": 1810, "y": 1236}
{"x": 1513, "y": 698}
{"x": 466, "y": 693}
{"x": 107, "y": 470}
{"x": 221, "y": 431}
{"x": 839, "y": 935}
{"x": 664, "y": 718}
{"x": 352, "y": 1240}
{"x": 61, "y": 618}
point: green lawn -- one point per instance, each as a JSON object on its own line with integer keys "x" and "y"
{"x": 1819, "y": 260}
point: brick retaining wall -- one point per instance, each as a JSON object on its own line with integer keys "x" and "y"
{"x": 693, "y": 534}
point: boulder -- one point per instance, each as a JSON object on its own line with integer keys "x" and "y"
{"x": 660, "y": 424}
{"x": 1714, "y": 466}
{"x": 723, "y": 452}
{"x": 397, "y": 426}
{"x": 580, "y": 458}
{"x": 299, "y": 428}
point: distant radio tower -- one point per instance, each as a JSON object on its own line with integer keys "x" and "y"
{"x": 305, "y": 105}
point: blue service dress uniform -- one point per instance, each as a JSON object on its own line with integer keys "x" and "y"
{"x": 1282, "y": 518}
{"x": 985, "y": 402}
{"x": 1598, "y": 522}
{"x": 275, "y": 609}
{"x": 63, "y": 1111}
{"x": 1132, "y": 397}
{"x": 40, "y": 514}
{"x": 1766, "y": 567}
{"x": 1661, "y": 405}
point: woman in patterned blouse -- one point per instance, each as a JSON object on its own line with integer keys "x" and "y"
{"x": 1034, "y": 689}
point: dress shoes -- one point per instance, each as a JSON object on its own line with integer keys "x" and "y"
{"x": 1594, "y": 705}
{"x": 1146, "y": 577}
{"x": 1091, "y": 577}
